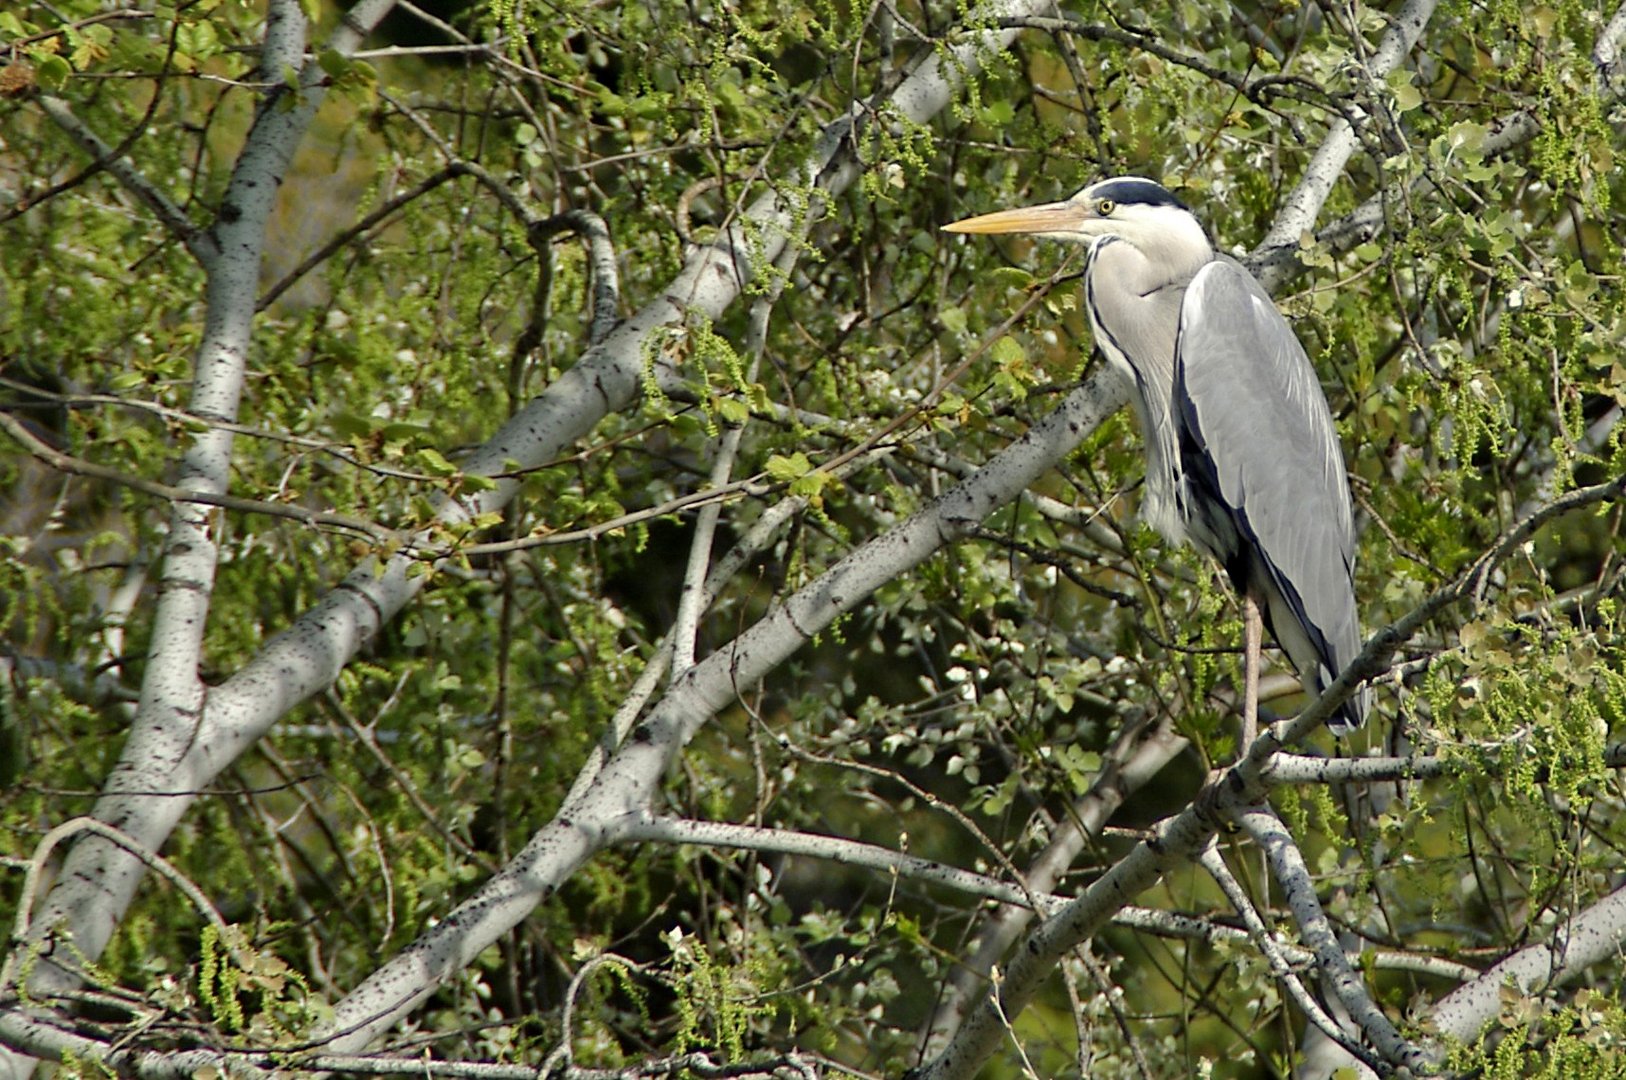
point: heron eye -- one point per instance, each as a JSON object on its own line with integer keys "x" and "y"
{"x": 1105, "y": 207}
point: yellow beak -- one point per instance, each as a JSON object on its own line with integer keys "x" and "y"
{"x": 1056, "y": 217}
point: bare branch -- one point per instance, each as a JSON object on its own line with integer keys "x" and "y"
{"x": 172, "y": 217}
{"x": 648, "y": 827}
{"x": 1288, "y": 868}
{"x": 600, "y": 256}
{"x": 74, "y": 466}
{"x": 1585, "y": 938}
{"x": 1171, "y": 924}
{"x": 693, "y": 597}
{"x": 1212, "y": 861}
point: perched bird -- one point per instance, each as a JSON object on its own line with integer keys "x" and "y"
{"x": 1241, "y": 455}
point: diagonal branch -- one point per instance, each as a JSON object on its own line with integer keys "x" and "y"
{"x": 1212, "y": 861}
{"x": 197, "y": 241}
{"x": 623, "y": 788}
{"x": 1179, "y": 839}
{"x": 1288, "y": 867}
{"x": 1589, "y": 937}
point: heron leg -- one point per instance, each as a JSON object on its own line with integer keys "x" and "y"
{"x": 1253, "y": 632}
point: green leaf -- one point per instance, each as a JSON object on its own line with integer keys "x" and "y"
{"x": 1008, "y": 353}
{"x": 998, "y": 114}
{"x": 1012, "y": 277}
{"x": 810, "y": 485}
{"x": 1467, "y": 140}
{"x": 401, "y": 430}
{"x": 333, "y": 62}
{"x": 349, "y": 425}
{"x": 434, "y": 462}
{"x": 51, "y": 72}
{"x": 1407, "y": 96}
{"x": 197, "y": 40}
{"x": 784, "y": 469}
{"x": 953, "y": 319}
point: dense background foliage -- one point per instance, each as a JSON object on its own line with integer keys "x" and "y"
{"x": 414, "y": 294}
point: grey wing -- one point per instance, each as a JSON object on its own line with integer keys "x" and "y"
{"x": 1264, "y": 469}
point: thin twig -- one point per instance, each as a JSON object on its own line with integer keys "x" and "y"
{"x": 79, "y": 467}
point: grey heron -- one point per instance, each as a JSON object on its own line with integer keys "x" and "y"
{"x": 1242, "y": 458}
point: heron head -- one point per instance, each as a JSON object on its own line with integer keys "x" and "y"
{"x": 1129, "y": 207}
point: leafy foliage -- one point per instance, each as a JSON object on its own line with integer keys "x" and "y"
{"x": 1470, "y": 348}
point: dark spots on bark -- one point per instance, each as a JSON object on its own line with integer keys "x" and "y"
{"x": 230, "y": 213}
{"x": 642, "y": 734}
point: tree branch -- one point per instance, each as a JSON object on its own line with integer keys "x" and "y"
{"x": 99, "y": 877}
{"x": 73, "y": 466}
{"x": 1212, "y": 861}
{"x": 172, "y": 217}
{"x": 1578, "y": 942}
{"x": 1288, "y": 868}
{"x": 1178, "y": 840}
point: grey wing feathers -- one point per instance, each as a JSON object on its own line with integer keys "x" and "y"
{"x": 1256, "y": 430}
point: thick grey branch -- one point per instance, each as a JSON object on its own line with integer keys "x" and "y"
{"x": 1586, "y": 938}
